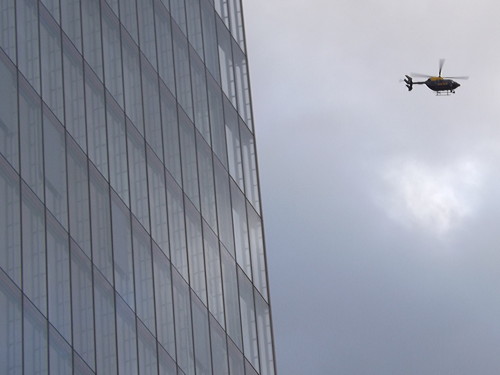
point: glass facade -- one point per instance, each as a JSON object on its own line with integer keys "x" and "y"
{"x": 131, "y": 236}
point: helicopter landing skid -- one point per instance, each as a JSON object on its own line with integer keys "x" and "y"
{"x": 445, "y": 93}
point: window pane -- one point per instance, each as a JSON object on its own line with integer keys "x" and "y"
{"x": 10, "y": 223}
{"x": 132, "y": 82}
{"x": 257, "y": 251}
{"x": 55, "y": 168}
{"x": 248, "y": 319}
{"x": 178, "y": 11}
{"x": 8, "y": 28}
{"x": 96, "y": 122}
{"x": 78, "y": 197}
{"x": 189, "y": 165}
{"x": 143, "y": 276}
{"x": 219, "y": 348}
{"x": 34, "y": 340}
{"x": 112, "y": 55}
{"x": 128, "y": 16}
{"x": 182, "y": 73}
{"x": 83, "y": 305}
{"x": 126, "y": 338}
{"x": 226, "y": 62}
{"x": 265, "y": 336}
{"x": 147, "y": 30}
{"x": 231, "y": 299}
{"x": 122, "y": 246}
{"x": 74, "y": 94}
{"x": 60, "y": 354}
{"x": 242, "y": 85}
{"x": 214, "y": 275}
{"x": 183, "y": 327}
{"x": 233, "y": 144}
{"x": 139, "y": 200}
{"x": 106, "y": 359}
{"x": 195, "y": 251}
{"x": 250, "y": 167}
{"x": 207, "y": 184}
{"x": 164, "y": 45}
{"x": 27, "y": 41}
{"x": 201, "y": 116}
{"x": 170, "y": 134}
{"x": 152, "y": 116}
{"x": 236, "y": 20}
{"x": 210, "y": 39}
{"x": 11, "y": 330}
{"x": 118, "y": 167}
{"x": 148, "y": 358}
{"x": 30, "y": 118}
{"x": 194, "y": 25}
{"x": 101, "y": 224}
{"x": 58, "y": 277}
{"x": 9, "y": 133}
{"x": 91, "y": 25}
{"x": 236, "y": 364}
{"x": 50, "y": 48}
{"x": 33, "y": 237}
{"x": 71, "y": 21}
{"x": 201, "y": 337}
{"x": 241, "y": 230}
{"x": 158, "y": 202}
{"x": 217, "y": 121}
{"x": 164, "y": 302}
{"x": 224, "y": 207}
{"x": 177, "y": 228}
{"x": 166, "y": 363}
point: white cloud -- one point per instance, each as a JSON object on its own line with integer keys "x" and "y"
{"x": 434, "y": 198}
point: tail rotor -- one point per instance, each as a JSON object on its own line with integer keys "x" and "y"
{"x": 409, "y": 82}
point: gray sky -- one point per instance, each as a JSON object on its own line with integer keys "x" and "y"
{"x": 381, "y": 207}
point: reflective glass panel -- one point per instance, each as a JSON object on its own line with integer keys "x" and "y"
{"x": 8, "y": 28}
{"x": 50, "y": 50}
{"x": 164, "y": 301}
{"x": 34, "y": 257}
{"x": 207, "y": 184}
{"x": 55, "y": 168}
{"x": 58, "y": 272}
{"x": 11, "y": 330}
{"x": 74, "y": 104}
{"x": 35, "y": 348}
{"x": 112, "y": 55}
{"x": 126, "y": 336}
{"x": 231, "y": 298}
{"x": 122, "y": 250}
{"x": 250, "y": 347}
{"x": 9, "y": 131}
{"x": 195, "y": 252}
{"x": 132, "y": 82}
{"x": 214, "y": 274}
{"x": 91, "y": 27}
{"x": 30, "y": 119}
{"x": 102, "y": 250}
{"x": 219, "y": 348}
{"x": 188, "y": 157}
{"x": 201, "y": 337}
{"x": 72, "y": 21}
{"x": 83, "y": 305}
{"x": 143, "y": 276}
{"x": 27, "y": 41}
{"x": 139, "y": 198}
{"x": 10, "y": 222}
{"x": 60, "y": 354}
{"x": 106, "y": 357}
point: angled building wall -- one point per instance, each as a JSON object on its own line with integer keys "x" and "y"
{"x": 131, "y": 237}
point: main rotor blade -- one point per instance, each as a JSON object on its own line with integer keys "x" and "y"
{"x": 420, "y": 75}
{"x": 441, "y": 63}
{"x": 462, "y": 77}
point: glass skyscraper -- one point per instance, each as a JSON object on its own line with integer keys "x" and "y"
{"x": 131, "y": 238}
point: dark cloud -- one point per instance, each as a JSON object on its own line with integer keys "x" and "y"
{"x": 357, "y": 174}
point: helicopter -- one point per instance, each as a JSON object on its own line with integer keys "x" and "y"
{"x": 442, "y": 85}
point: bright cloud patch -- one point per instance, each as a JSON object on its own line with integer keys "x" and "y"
{"x": 435, "y": 198}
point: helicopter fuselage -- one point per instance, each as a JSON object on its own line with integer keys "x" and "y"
{"x": 441, "y": 84}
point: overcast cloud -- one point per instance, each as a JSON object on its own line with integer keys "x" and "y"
{"x": 381, "y": 207}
